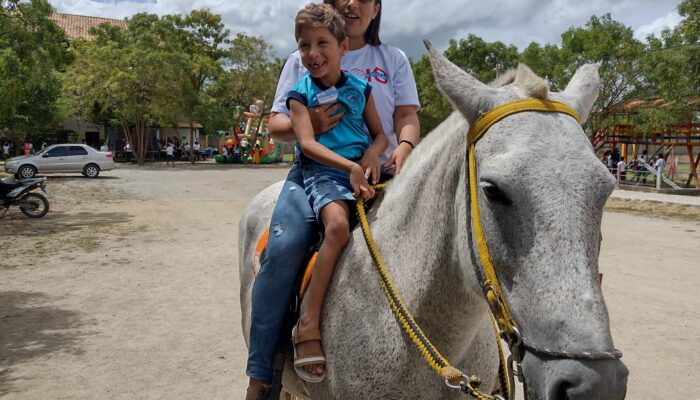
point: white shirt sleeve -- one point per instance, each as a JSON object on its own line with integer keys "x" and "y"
{"x": 290, "y": 75}
{"x": 405, "y": 89}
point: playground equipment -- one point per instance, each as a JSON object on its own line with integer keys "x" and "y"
{"x": 255, "y": 132}
{"x": 664, "y": 142}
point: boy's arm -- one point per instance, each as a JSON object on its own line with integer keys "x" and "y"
{"x": 304, "y": 132}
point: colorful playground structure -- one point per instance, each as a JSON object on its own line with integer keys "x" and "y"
{"x": 257, "y": 147}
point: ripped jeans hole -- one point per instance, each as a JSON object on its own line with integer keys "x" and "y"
{"x": 277, "y": 229}
{"x": 293, "y": 189}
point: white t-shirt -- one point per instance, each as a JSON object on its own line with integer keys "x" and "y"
{"x": 187, "y": 147}
{"x": 622, "y": 166}
{"x": 660, "y": 164}
{"x": 386, "y": 69}
{"x": 196, "y": 147}
{"x": 169, "y": 150}
{"x": 224, "y": 151}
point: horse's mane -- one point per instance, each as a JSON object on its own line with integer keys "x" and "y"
{"x": 525, "y": 79}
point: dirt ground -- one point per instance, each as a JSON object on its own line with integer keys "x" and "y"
{"x": 128, "y": 289}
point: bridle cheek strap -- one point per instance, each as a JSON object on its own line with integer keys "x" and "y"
{"x": 490, "y": 285}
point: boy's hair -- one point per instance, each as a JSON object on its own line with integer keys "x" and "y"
{"x": 320, "y": 16}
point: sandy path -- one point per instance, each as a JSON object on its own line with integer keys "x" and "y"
{"x": 128, "y": 290}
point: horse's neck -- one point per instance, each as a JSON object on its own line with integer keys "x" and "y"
{"x": 423, "y": 230}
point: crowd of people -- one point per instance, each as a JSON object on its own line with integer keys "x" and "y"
{"x": 8, "y": 149}
{"x": 617, "y": 164}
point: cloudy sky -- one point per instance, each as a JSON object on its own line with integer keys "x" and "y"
{"x": 406, "y": 22}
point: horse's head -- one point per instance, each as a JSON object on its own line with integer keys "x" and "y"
{"x": 541, "y": 193}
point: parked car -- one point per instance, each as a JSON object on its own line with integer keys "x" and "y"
{"x": 61, "y": 158}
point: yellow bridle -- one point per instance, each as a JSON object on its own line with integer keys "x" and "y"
{"x": 503, "y": 320}
{"x": 491, "y": 286}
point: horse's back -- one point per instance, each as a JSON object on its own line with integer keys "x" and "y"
{"x": 254, "y": 220}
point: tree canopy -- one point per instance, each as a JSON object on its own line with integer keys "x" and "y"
{"x": 665, "y": 67}
{"x": 33, "y": 52}
{"x": 162, "y": 70}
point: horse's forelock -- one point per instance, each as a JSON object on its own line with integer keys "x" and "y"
{"x": 524, "y": 79}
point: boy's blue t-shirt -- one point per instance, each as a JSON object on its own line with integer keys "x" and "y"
{"x": 349, "y": 138}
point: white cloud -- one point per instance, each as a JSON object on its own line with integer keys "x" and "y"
{"x": 655, "y": 27}
{"x": 406, "y": 22}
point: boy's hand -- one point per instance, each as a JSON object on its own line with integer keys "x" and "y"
{"x": 360, "y": 187}
{"x": 371, "y": 166}
{"x": 325, "y": 117}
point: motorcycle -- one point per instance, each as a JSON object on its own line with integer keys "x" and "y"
{"x": 23, "y": 194}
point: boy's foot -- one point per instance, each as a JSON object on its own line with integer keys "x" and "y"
{"x": 257, "y": 390}
{"x": 309, "y": 359}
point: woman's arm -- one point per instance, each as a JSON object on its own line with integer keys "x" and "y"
{"x": 407, "y": 129}
{"x": 280, "y": 128}
{"x": 323, "y": 119}
{"x": 370, "y": 160}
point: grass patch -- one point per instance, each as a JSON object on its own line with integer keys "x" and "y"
{"x": 654, "y": 209}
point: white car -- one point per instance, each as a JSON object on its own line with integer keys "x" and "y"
{"x": 61, "y": 158}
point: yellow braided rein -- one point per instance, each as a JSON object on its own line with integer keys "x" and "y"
{"x": 431, "y": 354}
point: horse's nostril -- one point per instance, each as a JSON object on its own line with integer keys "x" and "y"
{"x": 561, "y": 392}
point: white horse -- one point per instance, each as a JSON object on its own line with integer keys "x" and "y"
{"x": 541, "y": 195}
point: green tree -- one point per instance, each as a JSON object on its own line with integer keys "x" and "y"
{"x": 200, "y": 39}
{"x": 250, "y": 71}
{"x": 33, "y": 49}
{"x": 131, "y": 77}
{"x": 613, "y": 46}
{"x": 671, "y": 65}
{"x": 547, "y": 62}
{"x": 483, "y": 60}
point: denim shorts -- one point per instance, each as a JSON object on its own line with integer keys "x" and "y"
{"x": 324, "y": 185}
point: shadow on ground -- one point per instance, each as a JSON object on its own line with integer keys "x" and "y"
{"x": 57, "y": 222}
{"x": 30, "y": 328}
{"x": 67, "y": 178}
{"x": 203, "y": 166}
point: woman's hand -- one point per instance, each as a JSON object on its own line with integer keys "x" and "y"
{"x": 325, "y": 117}
{"x": 371, "y": 165}
{"x": 360, "y": 187}
{"x": 399, "y": 156}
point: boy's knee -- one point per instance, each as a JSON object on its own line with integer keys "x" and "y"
{"x": 337, "y": 231}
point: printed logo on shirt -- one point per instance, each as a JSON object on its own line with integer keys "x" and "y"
{"x": 352, "y": 96}
{"x": 352, "y": 99}
{"x": 378, "y": 74}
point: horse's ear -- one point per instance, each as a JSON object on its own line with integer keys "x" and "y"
{"x": 466, "y": 93}
{"x": 582, "y": 90}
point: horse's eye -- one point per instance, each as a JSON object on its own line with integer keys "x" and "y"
{"x": 493, "y": 193}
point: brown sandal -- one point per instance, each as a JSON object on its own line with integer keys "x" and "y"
{"x": 300, "y": 362}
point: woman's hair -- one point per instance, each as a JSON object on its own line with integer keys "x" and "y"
{"x": 372, "y": 33}
{"x": 320, "y": 16}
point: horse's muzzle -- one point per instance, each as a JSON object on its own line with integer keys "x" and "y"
{"x": 566, "y": 379}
